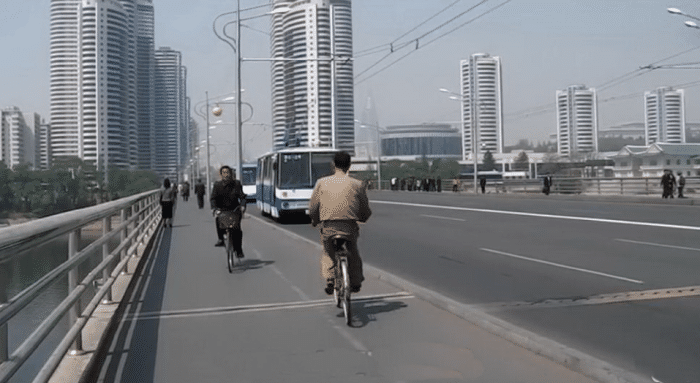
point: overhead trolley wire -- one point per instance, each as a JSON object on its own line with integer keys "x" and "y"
{"x": 431, "y": 41}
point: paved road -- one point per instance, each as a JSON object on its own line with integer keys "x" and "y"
{"x": 549, "y": 265}
{"x": 189, "y": 320}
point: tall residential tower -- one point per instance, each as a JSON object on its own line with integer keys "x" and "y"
{"x": 664, "y": 116}
{"x": 577, "y": 120}
{"x": 101, "y": 79}
{"x": 312, "y": 74}
{"x": 482, "y": 104}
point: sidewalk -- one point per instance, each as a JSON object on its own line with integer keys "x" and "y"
{"x": 190, "y": 320}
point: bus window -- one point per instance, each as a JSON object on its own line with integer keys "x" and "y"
{"x": 248, "y": 175}
{"x": 294, "y": 171}
{"x": 321, "y": 165}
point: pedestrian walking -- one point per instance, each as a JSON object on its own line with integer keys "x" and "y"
{"x": 483, "y": 185}
{"x": 185, "y": 191}
{"x": 668, "y": 181}
{"x": 681, "y": 185}
{"x": 547, "y": 185}
{"x": 167, "y": 197}
{"x": 200, "y": 190}
{"x": 439, "y": 185}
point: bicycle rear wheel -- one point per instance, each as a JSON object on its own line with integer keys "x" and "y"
{"x": 345, "y": 291}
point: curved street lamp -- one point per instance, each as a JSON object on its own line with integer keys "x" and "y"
{"x": 690, "y": 24}
{"x": 235, "y": 44}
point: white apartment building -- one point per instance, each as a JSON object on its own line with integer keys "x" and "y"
{"x": 170, "y": 111}
{"x": 577, "y": 120}
{"x": 312, "y": 74}
{"x": 94, "y": 87}
{"x": 18, "y": 137}
{"x": 664, "y": 116}
{"x": 482, "y": 105}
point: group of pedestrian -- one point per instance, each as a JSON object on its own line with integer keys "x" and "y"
{"x": 168, "y": 197}
{"x": 669, "y": 184}
{"x": 417, "y": 184}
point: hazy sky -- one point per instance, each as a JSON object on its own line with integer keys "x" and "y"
{"x": 544, "y": 45}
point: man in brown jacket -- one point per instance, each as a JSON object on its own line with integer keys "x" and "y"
{"x": 338, "y": 202}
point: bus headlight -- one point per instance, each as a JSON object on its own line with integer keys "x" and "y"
{"x": 284, "y": 194}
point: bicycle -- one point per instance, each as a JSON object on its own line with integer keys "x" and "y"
{"x": 341, "y": 276}
{"x": 230, "y": 220}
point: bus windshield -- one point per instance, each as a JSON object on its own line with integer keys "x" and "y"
{"x": 302, "y": 170}
{"x": 248, "y": 176}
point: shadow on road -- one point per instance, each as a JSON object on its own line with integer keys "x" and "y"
{"x": 365, "y": 312}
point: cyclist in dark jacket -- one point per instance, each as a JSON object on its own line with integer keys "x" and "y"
{"x": 226, "y": 195}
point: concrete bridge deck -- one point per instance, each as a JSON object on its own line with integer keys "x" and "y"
{"x": 188, "y": 320}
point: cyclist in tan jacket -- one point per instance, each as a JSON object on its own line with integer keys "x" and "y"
{"x": 338, "y": 202}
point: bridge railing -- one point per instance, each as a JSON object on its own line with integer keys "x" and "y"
{"x": 138, "y": 218}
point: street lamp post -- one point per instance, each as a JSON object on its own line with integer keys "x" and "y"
{"x": 208, "y": 154}
{"x": 237, "y": 50}
{"x": 379, "y": 152}
{"x": 473, "y": 129}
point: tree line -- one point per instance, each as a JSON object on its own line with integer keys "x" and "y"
{"x": 70, "y": 184}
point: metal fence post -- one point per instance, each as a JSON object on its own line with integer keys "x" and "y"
{"x": 106, "y": 228}
{"x": 122, "y": 238}
{"x": 4, "y": 285}
{"x": 74, "y": 313}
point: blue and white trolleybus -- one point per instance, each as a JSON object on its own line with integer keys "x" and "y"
{"x": 286, "y": 178}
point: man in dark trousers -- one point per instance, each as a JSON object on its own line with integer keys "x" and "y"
{"x": 681, "y": 185}
{"x": 200, "y": 190}
{"x": 483, "y": 185}
{"x": 547, "y": 185}
{"x": 226, "y": 195}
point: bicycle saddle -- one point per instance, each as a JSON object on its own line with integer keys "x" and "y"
{"x": 340, "y": 242}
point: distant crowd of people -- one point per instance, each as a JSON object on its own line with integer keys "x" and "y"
{"x": 417, "y": 184}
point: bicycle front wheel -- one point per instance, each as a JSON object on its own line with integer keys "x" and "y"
{"x": 230, "y": 253}
{"x": 345, "y": 295}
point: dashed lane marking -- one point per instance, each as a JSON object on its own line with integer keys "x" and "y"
{"x": 440, "y": 217}
{"x": 658, "y": 245}
{"x": 601, "y": 299}
{"x": 564, "y": 266}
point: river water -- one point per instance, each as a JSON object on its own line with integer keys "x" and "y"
{"x": 24, "y": 270}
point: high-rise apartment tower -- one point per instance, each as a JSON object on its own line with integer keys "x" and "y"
{"x": 664, "y": 116}
{"x": 312, "y": 74}
{"x": 95, "y": 79}
{"x": 482, "y": 104}
{"x": 577, "y": 120}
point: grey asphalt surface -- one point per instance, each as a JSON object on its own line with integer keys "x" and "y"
{"x": 538, "y": 262}
{"x": 189, "y": 320}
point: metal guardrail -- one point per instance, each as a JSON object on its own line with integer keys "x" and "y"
{"x": 139, "y": 218}
{"x": 564, "y": 185}
{"x": 598, "y": 186}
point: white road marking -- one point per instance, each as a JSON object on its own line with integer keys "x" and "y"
{"x": 228, "y": 310}
{"x": 564, "y": 266}
{"x": 439, "y": 217}
{"x": 658, "y": 245}
{"x": 615, "y": 221}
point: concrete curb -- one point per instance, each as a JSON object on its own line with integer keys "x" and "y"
{"x": 566, "y": 356}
